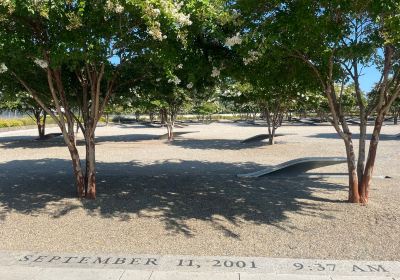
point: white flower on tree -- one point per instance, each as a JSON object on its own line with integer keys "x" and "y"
{"x": 151, "y": 12}
{"x": 174, "y": 10}
{"x": 156, "y": 12}
{"x": 3, "y": 68}
{"x": 179, "y": 66}
{"x": 8, "y": 4}
{"x": 158, "y": 79}
{"x": 235, "y": 40}
{"x": 253, "y": 56}
{"x": 183, "y": 19}
{"x": 215, "y": 72}
{"x": 156, "y": 33}
{"x": 174, "y": 80}
{"x": 41, "y": 63}
{"x": 119, "y": 9}
{"x": 189, "y": 85}
{"x": 114, "y": 7}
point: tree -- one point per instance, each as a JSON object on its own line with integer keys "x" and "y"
{"x": 82, "y": 49}
{"x": 335, "y": 38}
{"x": 15, "y": 97}
{"x": 205, "y": 109}
{"x": 23, "y": 103}
{"x": 271, "y": 81}
{"x": 185, "y": 65}
{"x": 396, "y": 111}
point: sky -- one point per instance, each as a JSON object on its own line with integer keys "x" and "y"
{"x": 370, "y": 76}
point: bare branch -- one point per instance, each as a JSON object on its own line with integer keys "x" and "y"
{"x": 35, "y": 96}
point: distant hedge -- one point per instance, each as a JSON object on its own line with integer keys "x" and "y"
{"x": 11, "y": 123}
{"x": 20, "y": 122}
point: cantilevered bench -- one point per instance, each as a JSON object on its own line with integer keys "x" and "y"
{"x": 150, "y": 124}
{"x": 353, "y": 121}
{"x": 296, "y": 166}
{"x": 176, "y": 133}
{"x": 258, "y": 138}
{"x": 305, "y": 121}
{"x": 48, "y": 136}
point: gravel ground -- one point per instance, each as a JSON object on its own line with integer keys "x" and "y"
{"x": 183, "y": 198}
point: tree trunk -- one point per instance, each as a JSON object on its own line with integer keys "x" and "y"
{"x": 369, "y": 166}
{"x": 361, "y": 149}
{"x": 363, "y": 122}
{"x": 77, "y": 168}
{"x": 271, "y": 128}
{"x": 91, "y": 167}
{"x": 354, "y": 195}
{"x": 170, "y": 132}
{"x": 41, "y": 124}
{"x": 272, "y": 137}
{"x": 170, "y": 122}
{"x": 395, "y": 119}
{"x": 162, "y": 117}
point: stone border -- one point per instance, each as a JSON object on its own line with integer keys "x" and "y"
{"x": 198, "y": 264}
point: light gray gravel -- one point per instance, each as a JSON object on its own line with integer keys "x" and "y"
{"x": 184, "y": 198}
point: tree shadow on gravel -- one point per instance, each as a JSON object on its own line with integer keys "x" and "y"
{"x": 29, "y": 142}
{"x": 172, "y": 192}
{"x": 219, "y": 144}
{"x": 355, "y": 136}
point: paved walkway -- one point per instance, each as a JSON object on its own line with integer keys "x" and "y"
{"x": 63, "y": 266}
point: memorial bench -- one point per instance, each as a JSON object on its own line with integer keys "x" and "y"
{"x": 295, "y": 167}
{"x": 176, "y": 133}
{"x": 258, "y": 138}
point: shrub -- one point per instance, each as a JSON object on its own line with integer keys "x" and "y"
{"x": 11, "y": 123}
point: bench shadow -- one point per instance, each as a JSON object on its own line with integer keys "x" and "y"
{"x": 172, "y": 192}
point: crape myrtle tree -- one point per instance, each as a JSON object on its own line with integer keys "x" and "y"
{"x": 277, "y": 88}
{"x": 311, "y": 101}
{"x": 205, "y": 109}
{"x": 165, "y": 97}
{"x": 236, "y": 96}
{"x": 316, "y": 102}
{"x": 272, "y": 100}
{"x": 335, "y": 39}
{"x": 15, "y": 97}
{"x": 274, "y": 83}
{"x": 85, "y": 44}
{"x": 396, "y": 111}
{"x": 191, "y": 70}
{"x": 23, "y": 102}
{"x": 187, "y": 63}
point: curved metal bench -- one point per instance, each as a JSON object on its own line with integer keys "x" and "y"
{"x": 259, "y": 137}
{"x": 176, "y": 134}
{"x": 296, "y": 166}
